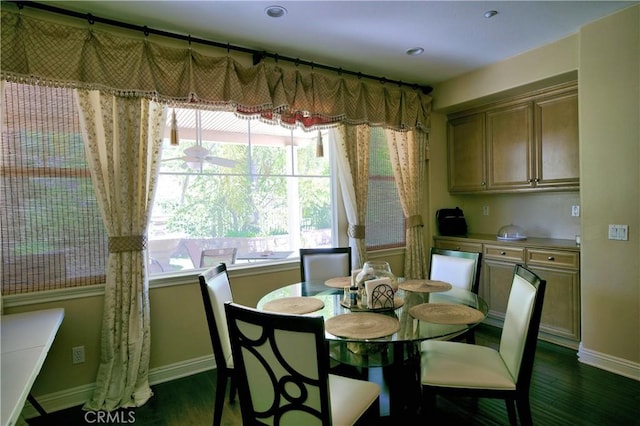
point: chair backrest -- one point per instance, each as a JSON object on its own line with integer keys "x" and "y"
{"x": 281, "y": 366}
{"x": 211, "y": 257}
{"x": 325, "y": 263}
{"x": 216, "y": 290}
{"x": 155, "y": 266}
{"x": 459, "y": 268}
{"x": 521, "y": 324}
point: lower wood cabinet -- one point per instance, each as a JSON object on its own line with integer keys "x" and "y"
{"x": 560, "y": 321}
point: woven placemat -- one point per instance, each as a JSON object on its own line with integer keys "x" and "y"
{"x": 362, "y": 325}
{"x": 425, "y": 286}
{"x": 446, "y": 313}
{"x": 338, "y": 282}
{"x": 294, "y": 305}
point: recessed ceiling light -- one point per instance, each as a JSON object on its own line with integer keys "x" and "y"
{"x": 415, "y": 51}
{"x": 275, "y": 11}
{"x": 490, "y": 13}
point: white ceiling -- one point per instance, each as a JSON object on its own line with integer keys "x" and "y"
{"x": 369, "y": 36}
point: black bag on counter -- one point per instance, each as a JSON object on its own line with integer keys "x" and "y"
{"x": 451, "y": 222}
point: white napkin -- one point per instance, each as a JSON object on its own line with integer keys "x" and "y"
{"x": 354, "y": 274}
{"x": 379, "y": 293}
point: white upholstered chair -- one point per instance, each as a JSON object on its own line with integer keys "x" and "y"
{"x": 472, "y": 370}
{"x": 324, "y": 263}
{"x": 282, "y": 370}
{"x": 216, "y": 290}
{"x": 459, "y": 268}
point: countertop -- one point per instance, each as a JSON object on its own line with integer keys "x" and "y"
{"x": 553, "y": 243}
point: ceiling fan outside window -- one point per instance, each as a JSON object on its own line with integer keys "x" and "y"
{"x": 197, "y": 155}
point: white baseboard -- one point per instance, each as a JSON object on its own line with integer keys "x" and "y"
{"x": 181, "y": 369}
{"x": 609, "y": 363}
{"x": 74, "y": 397}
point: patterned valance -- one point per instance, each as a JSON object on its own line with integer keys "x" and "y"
{"x": 49, "y": 52}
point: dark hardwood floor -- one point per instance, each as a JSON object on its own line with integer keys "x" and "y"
{"x": 563, "y": 392}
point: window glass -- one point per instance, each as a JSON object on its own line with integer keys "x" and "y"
{"x": 241, "y": 188}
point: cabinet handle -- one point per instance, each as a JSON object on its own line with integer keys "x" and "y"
{"x": 458, "y": 248}
{"x": 502, "y": 253}
{"x": 483, "y": 183}
{"x": 551, "y": 258}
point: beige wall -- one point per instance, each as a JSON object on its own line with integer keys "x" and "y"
{"x": 609, "y": 93}
{"x": 606, "y": 56}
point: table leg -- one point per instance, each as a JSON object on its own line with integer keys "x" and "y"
{"x": 399, "y": 382}
{"x": 398, "y": 376}
{"x": 36, "y": 405}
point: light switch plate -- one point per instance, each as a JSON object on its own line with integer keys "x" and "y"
{"x": 619, "y": 232}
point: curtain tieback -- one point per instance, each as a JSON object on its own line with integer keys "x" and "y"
{"x": 356, "y": 231}
{"x": 127, "y": 243}
{"x": 415, "y": 220}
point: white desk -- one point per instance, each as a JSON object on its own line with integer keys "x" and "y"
{"x": 26, "y": 339}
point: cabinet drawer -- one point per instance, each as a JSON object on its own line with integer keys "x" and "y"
{"x": 512, "y": 254}
{"x": 459, "y": 245}
{"x": 557, "y": 258}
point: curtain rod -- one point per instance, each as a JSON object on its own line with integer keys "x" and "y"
{"x": 257, "y": 54}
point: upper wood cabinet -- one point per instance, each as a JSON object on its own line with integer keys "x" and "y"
{"x": 466, "y": 153}
{"x": 525, "y": 144}
{"x": 556, "y": 133}
{"x": 510, "y": 147}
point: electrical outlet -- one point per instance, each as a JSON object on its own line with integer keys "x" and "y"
{"x": 575, "y": 210}
{"x": 77, "y": 355}
{"x": 485, "y": 210}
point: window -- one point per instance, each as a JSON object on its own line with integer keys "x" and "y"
{"x": 385, "y": 219}
{"x": 238, "y": 183}
{"x": 51, "y": 232}
{"x": 243, "y": 190}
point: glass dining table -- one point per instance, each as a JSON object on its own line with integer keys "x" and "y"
{"x": 393, "y": 357}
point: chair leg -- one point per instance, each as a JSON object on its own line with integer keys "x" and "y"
{"x": 471, "y": 337}
{"x": 221, "y": 390}
{"x": 232, "y": 389}
{"x": 511, "y": 411}
{"x": 524, "y": 411}
{"x": 428, "y": 400}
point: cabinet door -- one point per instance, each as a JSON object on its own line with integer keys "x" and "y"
{"x": 561, "y": 306}
{"x": 510, "y": 148}
{"x": 557, "y": 162}
{"x": 466, "y": 154}
{"x": 496, "y": 285}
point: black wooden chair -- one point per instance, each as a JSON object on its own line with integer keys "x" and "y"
{"x": 460, "y": 269}
{"x": 324, "y": 263}
{"x": 456, "y": 368}
{"x": 216, "y": 290}
{"x": 282, "y": 369}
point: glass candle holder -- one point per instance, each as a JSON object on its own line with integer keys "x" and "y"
{"x": 373, "y": 270}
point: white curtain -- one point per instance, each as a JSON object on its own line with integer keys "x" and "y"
{"x": 408, "y": 158}
{"x": 352, "y": 156}
{"x": 123, "y": 139}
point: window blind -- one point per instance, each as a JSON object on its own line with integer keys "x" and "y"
{"x": 52, "y": 235}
